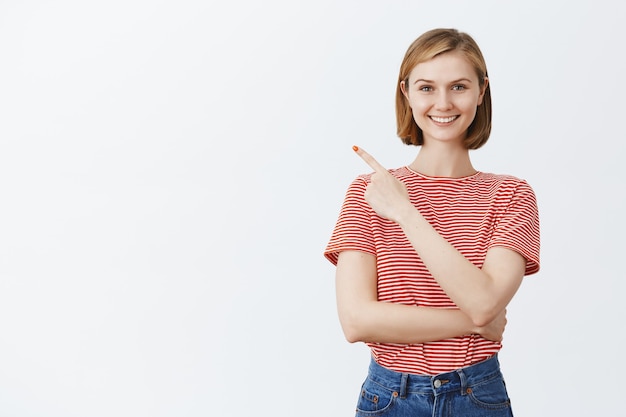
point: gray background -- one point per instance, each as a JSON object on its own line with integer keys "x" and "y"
{"x": 170, "y": 173}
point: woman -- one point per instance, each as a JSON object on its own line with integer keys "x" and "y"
{"x": 429, "y": 255}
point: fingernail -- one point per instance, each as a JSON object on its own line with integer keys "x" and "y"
{"x": 355, "y": 148}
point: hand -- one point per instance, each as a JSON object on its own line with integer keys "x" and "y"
{"x": 494, "y": 330}
{"x": 385, "y": 193}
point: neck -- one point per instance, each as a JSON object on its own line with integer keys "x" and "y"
{"x": 452, "y": 162}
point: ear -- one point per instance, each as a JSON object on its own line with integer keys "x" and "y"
{"x": 403, "y": 88}
{"x": 482, "y": 93}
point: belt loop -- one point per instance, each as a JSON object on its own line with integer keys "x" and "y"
{"x": 463, "y": 381}
{"x": 404, "y": 382}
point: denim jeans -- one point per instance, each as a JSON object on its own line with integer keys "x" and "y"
{"x": 475, "y": 391}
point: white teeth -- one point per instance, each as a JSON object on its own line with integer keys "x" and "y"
{"x": 443, "y": 119}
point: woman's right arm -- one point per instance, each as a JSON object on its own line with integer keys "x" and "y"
{"x": 365, "y": 319}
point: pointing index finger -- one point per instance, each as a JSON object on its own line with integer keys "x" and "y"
{"x": 369, "y": 159}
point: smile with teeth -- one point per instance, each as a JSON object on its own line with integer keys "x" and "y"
{"x": 443, "y": 119}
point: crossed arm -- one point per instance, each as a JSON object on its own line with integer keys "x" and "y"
{"x": 365, "y": 319}
{"x": 481, "y": 294}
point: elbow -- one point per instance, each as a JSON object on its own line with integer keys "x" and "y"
{"x": 351, "y": 336}
{"x": 353, "y": 328}
{"x": 482, "y": 317}
{"x": 480, "y": 320}
{"x": 352, "y": 332}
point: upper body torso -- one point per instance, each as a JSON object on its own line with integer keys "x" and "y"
{"x": 473, "y": 214}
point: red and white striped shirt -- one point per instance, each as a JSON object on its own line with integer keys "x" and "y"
{"x": 473, "y": 214}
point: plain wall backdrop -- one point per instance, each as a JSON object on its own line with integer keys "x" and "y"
{"x": 170, "y": 172}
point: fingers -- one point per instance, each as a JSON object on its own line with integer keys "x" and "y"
{"x": 369, "y": 159}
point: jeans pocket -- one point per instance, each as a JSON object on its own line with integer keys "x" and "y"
{"x": 490, "y": 394}
{"x": 375, "y": 399}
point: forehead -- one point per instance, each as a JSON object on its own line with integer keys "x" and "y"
{"x": 448, "y": 66}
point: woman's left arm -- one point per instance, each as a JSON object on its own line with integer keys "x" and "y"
{"x": 481, "y": 293}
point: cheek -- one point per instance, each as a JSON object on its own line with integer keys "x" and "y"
{"x": 469, "y": 104}
{"x": 418, "y": 106}
{"x": 418, "y": 114}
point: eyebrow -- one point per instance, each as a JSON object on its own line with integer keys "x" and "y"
{"x": 452, "y": 82}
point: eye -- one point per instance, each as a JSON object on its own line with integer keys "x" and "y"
{"x": 458, "y": 87}
{"x": 425, "y": 89}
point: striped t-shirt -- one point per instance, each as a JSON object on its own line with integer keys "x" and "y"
{"x": 473, "y": 214}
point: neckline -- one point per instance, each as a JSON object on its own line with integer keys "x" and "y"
{"x": 428, "y": 177}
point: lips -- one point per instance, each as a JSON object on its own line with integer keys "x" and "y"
{"x": 443, "y": 119}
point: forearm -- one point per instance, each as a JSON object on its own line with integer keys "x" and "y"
{"x": 471, "y": 288}
{"x": 382, "y": 322}
{"x": 364, "y": 318}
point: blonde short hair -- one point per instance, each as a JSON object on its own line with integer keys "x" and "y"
{"x": 426, "y": 47}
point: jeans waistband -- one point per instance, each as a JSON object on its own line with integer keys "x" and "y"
{"x": 455, "y": 380}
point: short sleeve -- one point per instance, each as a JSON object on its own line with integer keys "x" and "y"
{"x": 353, "y": 229}
{"x": 518, "y": 228}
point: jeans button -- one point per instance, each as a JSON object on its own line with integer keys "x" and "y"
{"x": 437, "y": 383}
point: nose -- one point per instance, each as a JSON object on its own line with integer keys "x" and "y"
{"x": 443, "y": 101}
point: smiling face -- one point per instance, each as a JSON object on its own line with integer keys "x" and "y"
{"x": 443, "y": 94}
